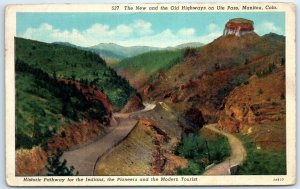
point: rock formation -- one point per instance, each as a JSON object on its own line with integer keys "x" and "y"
{"x": 134, "y": 104}
{"x": 238, "y": 27}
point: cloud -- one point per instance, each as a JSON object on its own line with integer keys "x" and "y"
{"x": 267, "y": 27}
{"x": 142, "y": 27}
{"x": 187, "y": 32}
{"x": 139, "y": 32}
{"x": 99, "y": 29}
{"x": 124, "y": 30}
{"x": 212, "y": 27}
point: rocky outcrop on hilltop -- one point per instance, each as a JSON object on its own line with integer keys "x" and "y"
{"x": 238, "y": 27}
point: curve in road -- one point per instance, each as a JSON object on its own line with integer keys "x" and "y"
{"x": 237, "y": 156}
{"x": 84, "y": 159}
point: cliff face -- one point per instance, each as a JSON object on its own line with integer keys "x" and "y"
{"x": 238, "y": 27}
{"x": 93, "y": 94}
{"x": 257, "y": 109}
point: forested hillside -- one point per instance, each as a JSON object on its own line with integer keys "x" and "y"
{"x": 74, "y": 64}
{"x": 57, "y": 86}
{"x": 142, "y": 68}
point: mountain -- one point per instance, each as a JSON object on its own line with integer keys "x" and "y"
{"x": 113, "y": 53}
{"x": 67, "y": 44}
{"x": 110, "y": 57}
{"x": 73, "y": 63}
{"x": 57, "y": 86}
{"x": 122, "y": 51}
{"x": 140, "y": 69}
{"x": 126, "y": 52}
{"x": 206, "y": 77}
{"x": 186, "y": 45}
{"x": 145, "y": 67}
{"x": 274, "y": 36}
{"x": 237, "y": 81}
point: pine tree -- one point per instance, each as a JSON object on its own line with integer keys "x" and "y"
{"x": 57, "y": 168}
{"x": 54, "y": 75}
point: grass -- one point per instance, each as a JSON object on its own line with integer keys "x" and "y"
{"x": 201, "y": 152}
{"x": 259, "y": 162}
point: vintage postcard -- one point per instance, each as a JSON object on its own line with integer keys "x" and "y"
{"x": 182, "y": 94}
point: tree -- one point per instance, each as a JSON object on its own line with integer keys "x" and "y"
{"x": 57, "y": 168}
{"x": 189, "y": 52}
{"x": 54, "y": 75}
{"x": 217, "y": 66}
{"x": 282, "y": 62}
{"x": 67, "y": 109}
{"x": 73, "y": 76}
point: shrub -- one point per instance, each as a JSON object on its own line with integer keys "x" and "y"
{"x": 189, "y": 52}
{"x": 260, "y": 162}
{"x": 282, "y": 96}
{"x": 192, "y": 169}
{"x": 274, "y": 103}
{"x": 282, "y": 62}
{"x": 269, "y": 70}
{"x": 196, "y": 148}
{"x": 192, "y": 146}
{"x": 217, "y": 66}
{"x": 24, "y": 141}
{"x": 219, "y": 149}
{"x": 57, "y": 168}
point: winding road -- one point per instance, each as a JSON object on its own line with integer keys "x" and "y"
{"x": 237, "y": 156}
{"x": 85, "y": 158}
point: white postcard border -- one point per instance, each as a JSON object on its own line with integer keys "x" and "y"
{"x": 10, "y": 33}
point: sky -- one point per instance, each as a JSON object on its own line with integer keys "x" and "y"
{"x": 134, "y": 29}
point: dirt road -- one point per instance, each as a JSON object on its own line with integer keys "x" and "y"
{"x": 237, "y": 156}
{"x": 84, "y": 159}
